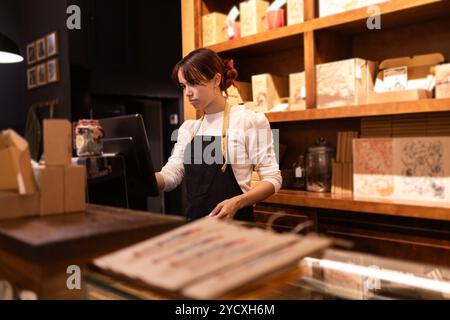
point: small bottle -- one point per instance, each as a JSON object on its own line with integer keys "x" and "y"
{"x": 299, "y": 173}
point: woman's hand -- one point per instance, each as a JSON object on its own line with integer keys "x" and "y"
{"x": 227, "y": 208}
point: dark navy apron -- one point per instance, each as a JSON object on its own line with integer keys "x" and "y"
{"x": 206, "y": 184}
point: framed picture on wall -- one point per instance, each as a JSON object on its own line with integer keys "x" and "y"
{"x": 52, "y": 71}
{"x": 31, "y": 53}
{"x": 41, "y": 70}
{"x": 52, "y": 44}
{"x": 31, "y": 78}
{"x": 41, "y": 49}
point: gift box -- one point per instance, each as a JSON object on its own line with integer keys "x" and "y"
{"x": 51, "y": 183}
{"x": 405, "y": 79}
{"x": 414, "y": 168}
{"x": 443, "y": 81}
{"x": 74, "y": 188}
{"x": 344, "y": 83}
{"x": 57, "y": 142}
{"x": 295, "y": 12}
{"x": 268, "y": 88}
{"x": 329, "y": 7}
{"x": 240, "y": 93}
{"x": 15, "y": 164}
{"x": 274, "y": 19}
{"x": 297, "y": 91}
{"x": 214, "y": 28}
{"x": 252, "y": 13}
{"x": 18, "y": 206}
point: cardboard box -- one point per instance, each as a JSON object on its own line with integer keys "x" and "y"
{"x": 57, "y": 142}
{"x": 297, "y": 91}
{"x": 18, "y": 206}
{"x": 414, "y": 75}
{"x": 394, "y": 169}
{"x": 74, "y": 188}
{"x": 214, "y": 28}
{"x": 51, "y": 182}
{"x": 252, "y": 13}
{"x": 344, "y": 83}
{"x": 295, "y": 12}
{"x": 443, "y": 81}
{"x": 15, "y": 164}
{"x": 240, "y": 94}
{"x": 406, "y": 95}
{"x": 267, "y": 88}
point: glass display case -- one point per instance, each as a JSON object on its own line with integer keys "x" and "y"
{"x": 335, "y": 274}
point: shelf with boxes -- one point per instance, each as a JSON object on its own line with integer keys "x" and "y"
{"x": 392, "y": 13}
{"x": 329, "y": 41}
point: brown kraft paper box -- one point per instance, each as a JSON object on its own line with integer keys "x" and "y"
{"x": 51, "y": 189}
{"x": 57, "y": 142}
{"x": 214, "y": 28}
{"x": 15, "y": 164}
{"x": 267, "y": 88}
{"x": 18, "y": 206}
{"x": 74, "y": 188}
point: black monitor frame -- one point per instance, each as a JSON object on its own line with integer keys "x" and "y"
{"x": 126, "y": 135}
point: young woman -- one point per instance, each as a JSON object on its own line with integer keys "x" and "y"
{"x": 217, "y": 153}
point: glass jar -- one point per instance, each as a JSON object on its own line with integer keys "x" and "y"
{"x": 319, "y": 160}
{"x": 299, "y": 173}
{"x": 89, "y": 138}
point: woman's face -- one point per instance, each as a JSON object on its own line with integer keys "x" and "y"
{"x": 201, "y": 95}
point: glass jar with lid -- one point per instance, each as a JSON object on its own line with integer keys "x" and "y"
{"x": 88, "y": 138}
{"x": 319, "y": 158}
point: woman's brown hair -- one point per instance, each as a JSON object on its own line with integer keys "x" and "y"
{"x": 202, "y": 65}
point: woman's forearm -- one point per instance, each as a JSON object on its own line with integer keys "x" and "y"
{"x": 257, "y": 194}
{"x": 160, "y": 181}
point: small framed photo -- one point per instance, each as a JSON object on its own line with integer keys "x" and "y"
{"x": 41, "y": 49}
{"x": 52, "y": 44}
{"x": 41, "y": 70}
{"x": 31, "y": 53}
{"x": 52, "y": 71}
{"x": 31, "y": 78}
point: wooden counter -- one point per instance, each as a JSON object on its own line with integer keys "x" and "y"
{"x": 35, "y": 252}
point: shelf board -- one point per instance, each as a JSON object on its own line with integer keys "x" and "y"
{"x": 369, "y": 110}
{"x": 284, "y": 38}
{"x": 348, "y": 203}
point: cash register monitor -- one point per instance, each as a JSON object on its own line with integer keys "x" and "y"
{"x": 126, "y": 135}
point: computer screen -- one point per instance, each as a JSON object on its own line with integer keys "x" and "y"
{"x": 126, "y": 135}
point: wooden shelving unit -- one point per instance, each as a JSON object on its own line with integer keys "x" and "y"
{"x": 330, "y": 201}
{"x": 409, "y": 27}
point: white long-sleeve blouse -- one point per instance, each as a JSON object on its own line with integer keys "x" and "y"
{"x": 250, "y": 147}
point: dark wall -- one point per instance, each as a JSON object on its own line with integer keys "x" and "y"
{"x": 124, "y": 48}
{"x": 38, "y": 18}
{"x": 12, "y": 76}
{"x": 128, "y": 47}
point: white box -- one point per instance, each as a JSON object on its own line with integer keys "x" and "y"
{"x": 295, "y": 12}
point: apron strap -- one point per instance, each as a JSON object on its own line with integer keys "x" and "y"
{"x": 224, "y": 141}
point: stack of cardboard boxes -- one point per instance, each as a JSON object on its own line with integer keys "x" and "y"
{"x": 53, "y": 188}
{"x": 62, "y": 184}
